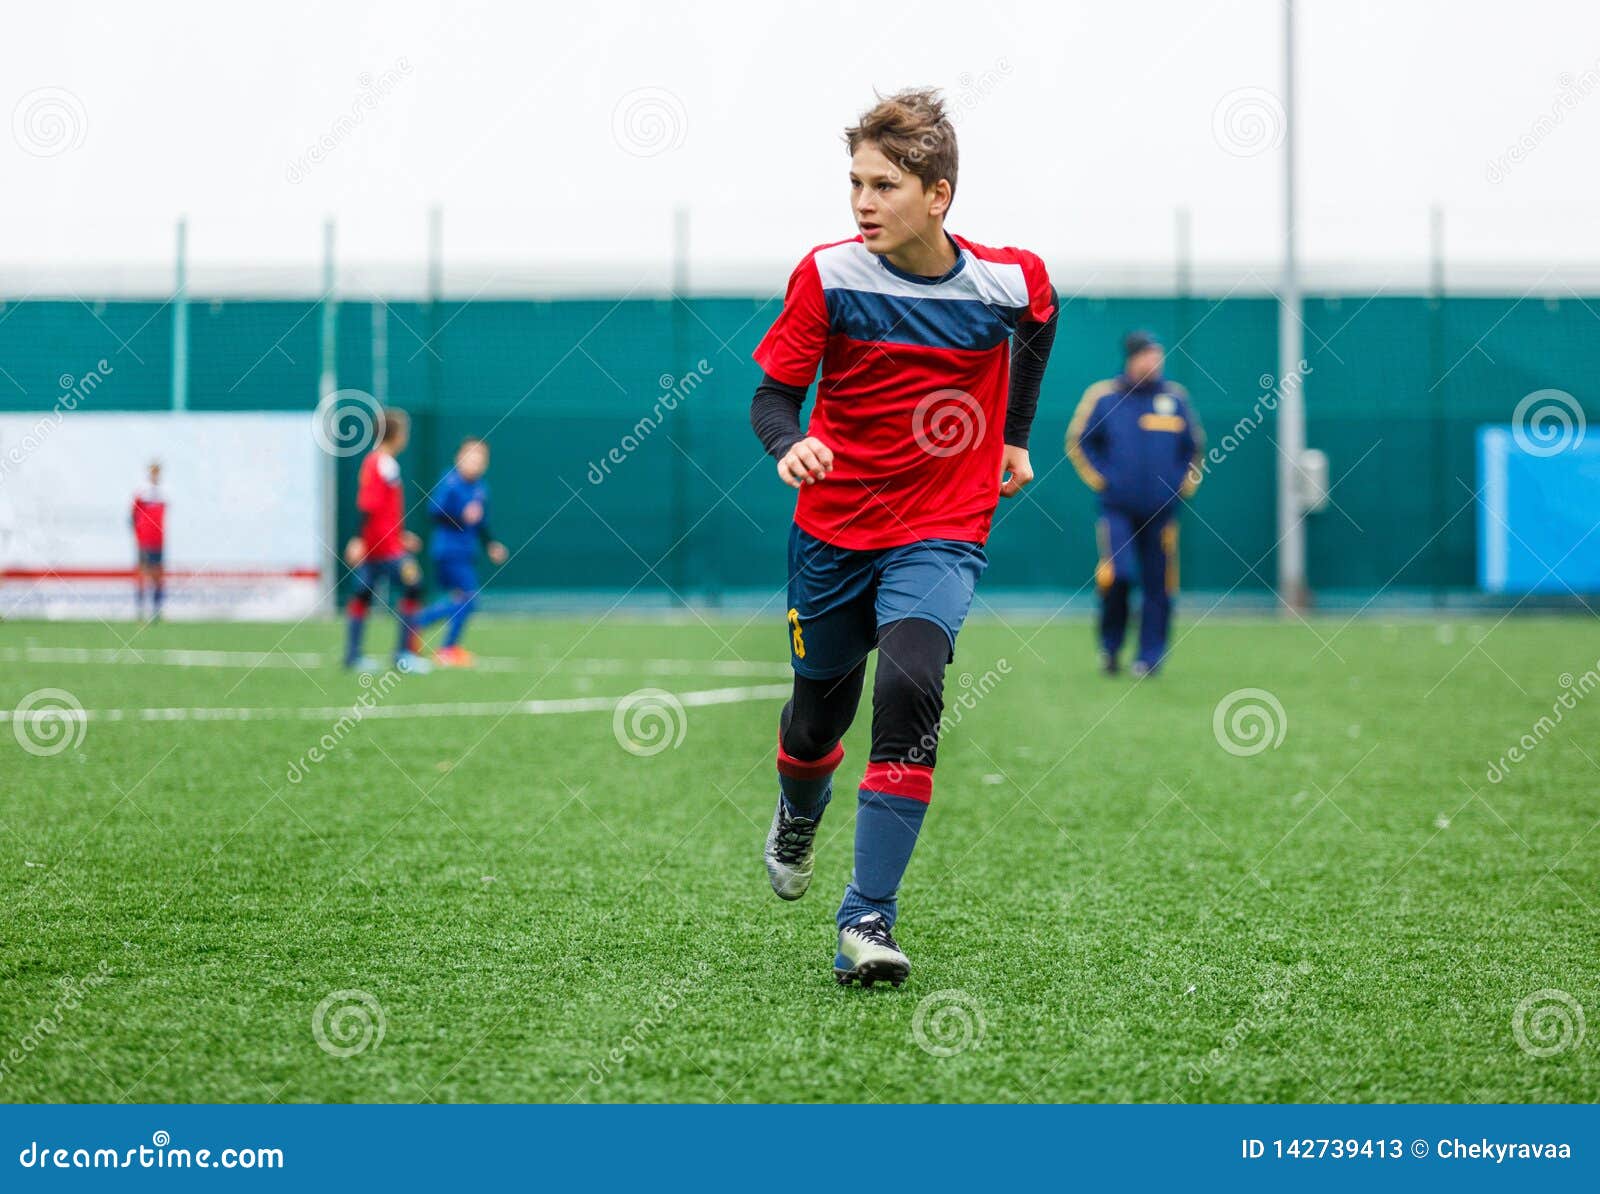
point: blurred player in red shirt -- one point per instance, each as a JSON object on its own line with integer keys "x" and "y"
{"x": 149, "y": 519}
{"x": 382, "y": 552}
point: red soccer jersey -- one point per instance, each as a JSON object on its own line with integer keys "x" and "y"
{"x": 150, "y": 518}
{"x": 382, "y": 503}
{"x": 915, "y": 373}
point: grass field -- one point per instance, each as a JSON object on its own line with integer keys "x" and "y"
{"x": 1107, "y": 904}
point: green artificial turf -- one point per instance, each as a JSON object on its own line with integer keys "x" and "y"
{"x": 1106, "y": 903}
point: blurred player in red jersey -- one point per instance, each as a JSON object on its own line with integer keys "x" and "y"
{"x": 931, "y": 349}
{"x": 149, "y": 520}
{"x": 383, "y": 551}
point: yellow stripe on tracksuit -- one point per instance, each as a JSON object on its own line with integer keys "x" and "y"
{"x": 1080, "y": 420}
{"x": 1169, "y": 544}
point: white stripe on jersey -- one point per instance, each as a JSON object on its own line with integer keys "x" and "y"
{"x": 849, "y": 266}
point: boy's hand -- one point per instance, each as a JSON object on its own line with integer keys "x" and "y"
{"x": 1015, "y": 462}
{"x": 497, "y": 552}
{"x": 409, "y": 541}
{"x": 355, "y": 551}
{"x": 809, "y": 461}
{"x": 472, "y": 515}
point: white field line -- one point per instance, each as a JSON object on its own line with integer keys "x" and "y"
{"x": 689, "y": 700}
{"x": 312, "y": 659}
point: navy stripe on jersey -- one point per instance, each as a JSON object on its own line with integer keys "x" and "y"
{"x": 930, "y": 323}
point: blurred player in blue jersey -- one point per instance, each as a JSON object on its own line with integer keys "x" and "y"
{"x": 1135, "y": 441}
{"x": 459, "y": 507}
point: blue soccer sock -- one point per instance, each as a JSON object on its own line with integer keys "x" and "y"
{"x": 887, "y": 826}
{"x": 355, "y": 626}
{"x": 436, "y": 612}
{"x": 458, "y": 621}
{"x": 807, "y": 786}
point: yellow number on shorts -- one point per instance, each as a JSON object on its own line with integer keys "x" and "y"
{"x": 794, "y": 633}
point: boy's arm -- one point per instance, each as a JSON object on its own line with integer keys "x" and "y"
{"x": 446, "y": 506}
{"x": 1030, "y": 352}
{"x": 789, "y": 355}
{"x": 775, "y": 415}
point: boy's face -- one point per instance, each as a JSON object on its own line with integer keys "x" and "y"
{"x": 891, "y": 207}
{"x": 155, "y": 474}
{"x": 399, "y": 437}
{"x": 473, "y": 461}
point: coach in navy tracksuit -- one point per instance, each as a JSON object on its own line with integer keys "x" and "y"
{"x": 1135, "y": 440}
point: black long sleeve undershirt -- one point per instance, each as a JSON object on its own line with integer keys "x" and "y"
{"x": 775, "y": 415}
{"x": 775, "y": 409}
{"x": 1030, "y": 351}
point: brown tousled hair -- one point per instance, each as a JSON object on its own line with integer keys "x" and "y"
{"x": 391, "y": 420}
{"x": 911, "y": 129}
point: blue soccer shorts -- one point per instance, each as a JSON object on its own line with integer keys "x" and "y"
{"x": 839, "y": 600}
{"x": 455, "y": 573}
{"x": 399, "y": 572}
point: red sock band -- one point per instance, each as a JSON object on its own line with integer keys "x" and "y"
{"x": 900, "y": 779}
{"x": 357, "y": 607}
{"x": 815, "y": 769}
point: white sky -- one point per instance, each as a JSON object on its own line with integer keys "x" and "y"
{"x": 1082, "y": 126}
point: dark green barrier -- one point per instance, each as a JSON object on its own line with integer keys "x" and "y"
{"x": 623, "y": 457}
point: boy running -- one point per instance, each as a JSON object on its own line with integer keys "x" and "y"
{"x": 932, "y": 349}
{"x": 459, "y": 505}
